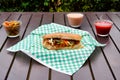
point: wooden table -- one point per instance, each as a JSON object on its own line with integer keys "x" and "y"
{"x": 103, "y": 64}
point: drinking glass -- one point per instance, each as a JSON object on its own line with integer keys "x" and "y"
{"x": 12, "y": 28}
{"x": 103, "y": 27}
{"x": 75, "y": 19}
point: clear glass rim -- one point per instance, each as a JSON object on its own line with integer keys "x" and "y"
{"x": 104, "y": 20}
{"x": 81, "y": 14}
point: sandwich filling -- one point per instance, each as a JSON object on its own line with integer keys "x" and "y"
{"x": 57, "y": 42}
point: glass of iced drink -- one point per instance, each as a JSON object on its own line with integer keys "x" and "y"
{"x": 75, "y": 19}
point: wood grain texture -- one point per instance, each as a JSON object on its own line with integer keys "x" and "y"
{"x": 103, "y": 64}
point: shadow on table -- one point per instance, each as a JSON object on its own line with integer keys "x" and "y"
{"x": 103, "y": 40}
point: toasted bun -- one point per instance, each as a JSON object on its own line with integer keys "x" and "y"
{"x": 63, "y": 36}
{"x": 50, "y": 47}
{"x": 68, "y": 36}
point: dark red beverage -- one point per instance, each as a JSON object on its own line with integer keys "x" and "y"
{"x": 103, "y": 27}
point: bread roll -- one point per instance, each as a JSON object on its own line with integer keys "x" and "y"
{"x": 55, "y": 41}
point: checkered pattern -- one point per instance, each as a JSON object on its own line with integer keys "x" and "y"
{"x": 66, "y": 61}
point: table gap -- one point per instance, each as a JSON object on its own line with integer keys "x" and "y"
{"x": 30, "y": 66}
{"x": 108, "y": 64}
{"x": 41, "y": 19}
{"x": 112, "y": 20}
{"x": 5, "y": 20}
{"x": 64, "y": 19}
{"x": 50, "y": 73}
{"x": 10, "y": 66}
{"x": 90, "y": 67}
{"x": 26, "y": 26}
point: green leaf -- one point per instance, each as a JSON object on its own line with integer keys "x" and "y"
{"x": 46, "y": 4}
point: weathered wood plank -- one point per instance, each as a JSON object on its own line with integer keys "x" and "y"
{"x": 37, "y": 71}
{"x": 99, "y": 64}
{"x": 103, "y": 64}
{"x": 5, "y": 56}
{"x": 21, "y": 61}
{"x": 111, "y": 51}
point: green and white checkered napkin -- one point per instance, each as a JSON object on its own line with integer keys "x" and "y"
{"x": 65, "y": 61}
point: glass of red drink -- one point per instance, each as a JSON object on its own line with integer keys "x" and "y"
{"x": 103, "y": 27}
